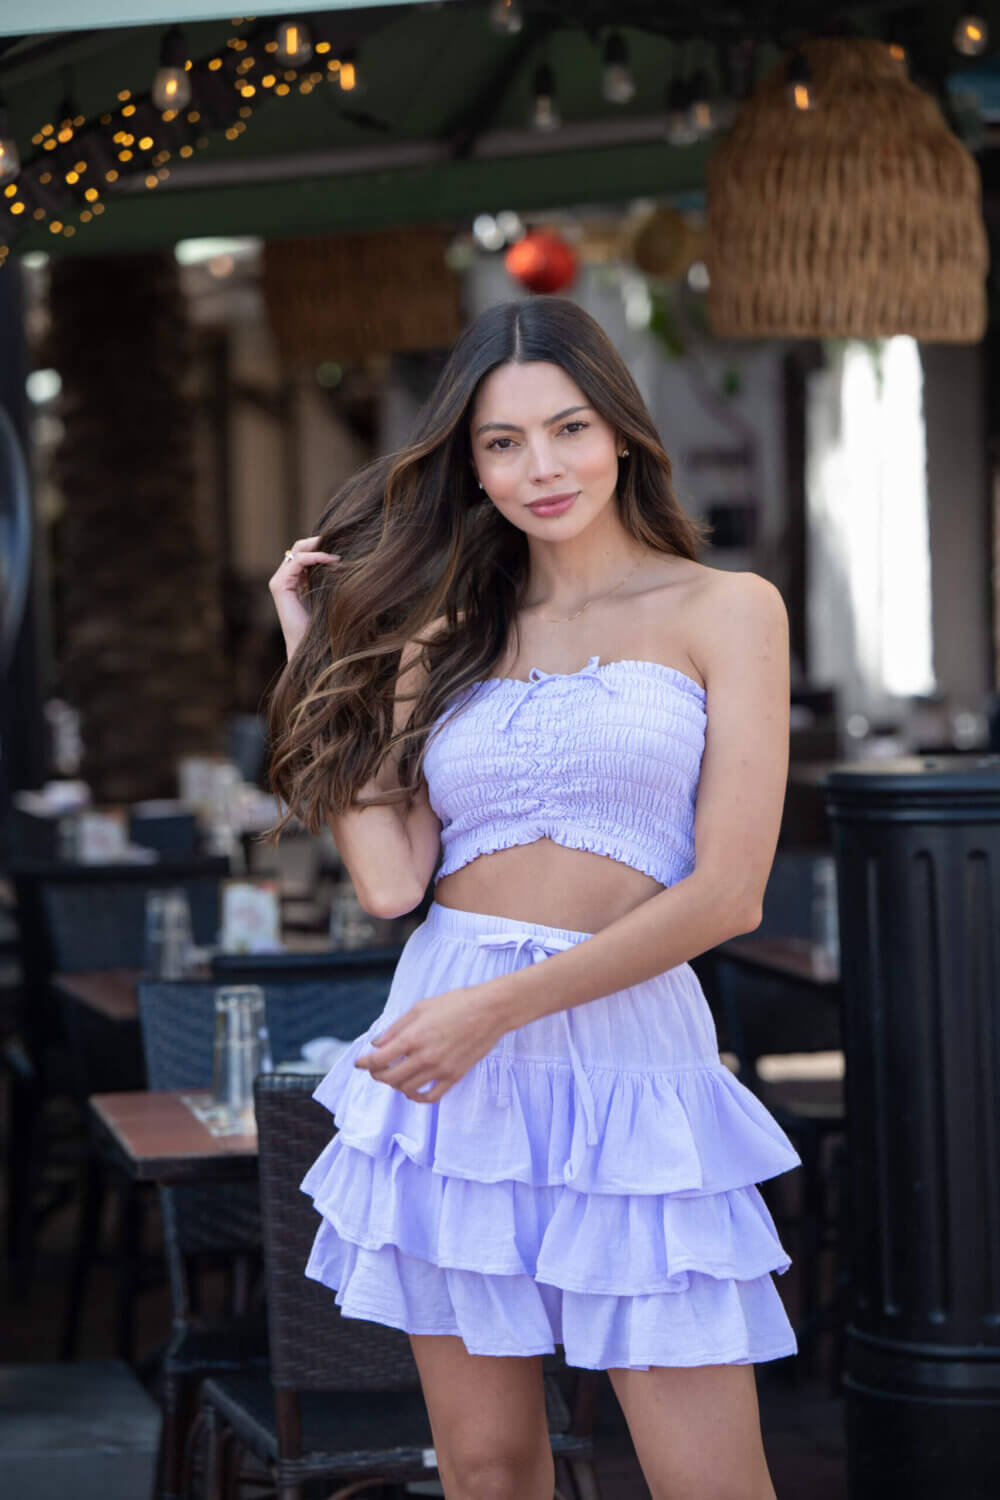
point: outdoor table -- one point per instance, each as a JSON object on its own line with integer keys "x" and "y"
{"x": 798, "y": 960}
{"x": 113, "y": 993}
{"x": 156, "y": 1137}
{"x": 778, "y": 995}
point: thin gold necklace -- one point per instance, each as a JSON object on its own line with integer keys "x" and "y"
{"x": 563, "y": 619}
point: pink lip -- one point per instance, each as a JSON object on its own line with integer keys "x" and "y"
{"x": 552, "y": 502}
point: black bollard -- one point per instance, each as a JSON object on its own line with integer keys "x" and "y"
{"x": 917, "y": 842}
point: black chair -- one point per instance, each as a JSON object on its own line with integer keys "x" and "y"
{"x": 309, "y": 995}
{"x": 342, "y": 1402}
{"x": 170, "y": 832}
{"x": 215, "y": 1222}
{"x": 74, "y": 917}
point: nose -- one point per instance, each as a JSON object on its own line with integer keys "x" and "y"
{"x": 544, "y": 464}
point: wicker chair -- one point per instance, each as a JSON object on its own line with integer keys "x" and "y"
{"x": 74, "y": 917}
{"x": 217, "y": 1221}
{"x": 342, "y": 1402}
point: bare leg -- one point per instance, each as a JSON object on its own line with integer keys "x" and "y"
{"x": 696, "y": 1431}
{"x": 488, "y": 1420}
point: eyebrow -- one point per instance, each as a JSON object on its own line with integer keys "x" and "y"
{"x": 512, "y": 426}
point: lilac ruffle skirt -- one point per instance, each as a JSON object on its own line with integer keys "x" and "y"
{"x": 590, "y": 1182}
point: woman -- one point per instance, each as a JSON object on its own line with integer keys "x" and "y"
{"x": 507, "y": 651}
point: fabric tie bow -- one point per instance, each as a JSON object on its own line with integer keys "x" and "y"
{"x": 537, "y": 678}
{"x": 540, "y": 948}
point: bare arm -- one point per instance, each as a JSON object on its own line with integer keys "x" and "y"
{"x": 390, "y": 851}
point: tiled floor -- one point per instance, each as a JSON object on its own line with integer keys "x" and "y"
{"x": 801, "y": 1421}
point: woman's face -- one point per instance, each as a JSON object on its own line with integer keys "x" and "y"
{"x": 534, "y": 436}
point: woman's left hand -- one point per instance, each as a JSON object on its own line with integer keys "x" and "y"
{"x": 437, "y": 1041}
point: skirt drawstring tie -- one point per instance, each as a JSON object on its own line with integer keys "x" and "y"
{"x": 540, "y": 948}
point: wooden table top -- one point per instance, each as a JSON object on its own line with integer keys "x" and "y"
{"x": 109, "y": 992}
{"x": 786, "y": 957}
{"x": 158, "y": 1138}
{"x": 112, "y": 993}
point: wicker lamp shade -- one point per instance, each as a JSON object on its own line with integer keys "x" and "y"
{"x": 347, "y": 296}
{"x": 664, "y": 244}
{"x": 860, "y": 217}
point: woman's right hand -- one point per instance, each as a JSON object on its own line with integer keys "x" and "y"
{"x": 287, "y": 585}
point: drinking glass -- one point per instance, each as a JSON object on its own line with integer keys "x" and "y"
{"x": 242, "y": 1050}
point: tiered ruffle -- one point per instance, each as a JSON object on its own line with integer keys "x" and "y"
{"x": 498, "y": 1223}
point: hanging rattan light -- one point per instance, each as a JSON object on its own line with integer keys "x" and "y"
{"x": 858, "y": 217}
{"x": 347, "y": 296}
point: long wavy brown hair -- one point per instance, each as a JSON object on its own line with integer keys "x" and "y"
{"x": 420, "y": 542}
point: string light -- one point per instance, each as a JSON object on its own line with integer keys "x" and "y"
{"x": 544, "y": 114}
{"x": 172, "y": 86}
{"x": 294, "y": 42}
{"x": 702, "y": 114}
{"x": 505, "y": 17}
{"x": 970, "y": 36}
{"x": 617, "y": 83}
{"x": 10, "y": 161}
{"x": 348, "y": 75}
{"x": 799, "y": 82}
{"x": 680, "y": 130}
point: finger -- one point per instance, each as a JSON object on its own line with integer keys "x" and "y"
{"x": 432, "y": 1095}
{"x": 378, "y": 1062}
{"x": 405, "y": 1076}
{"x": 306, "y": 558}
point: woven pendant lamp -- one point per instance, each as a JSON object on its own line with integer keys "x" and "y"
{"x": 859, "y": 217}
{"x": 346, "y": 296}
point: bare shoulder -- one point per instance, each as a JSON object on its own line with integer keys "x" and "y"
{"x": 735, "y": 619}
{"x": 410, "y": 658}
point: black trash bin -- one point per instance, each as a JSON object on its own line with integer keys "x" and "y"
{"x": 917, "y": 841}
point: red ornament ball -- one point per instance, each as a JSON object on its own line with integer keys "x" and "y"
{"x": 541, "y": 261}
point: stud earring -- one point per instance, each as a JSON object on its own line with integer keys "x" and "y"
{"x": 624, "y": 453}
{"x": 480, "y": 483}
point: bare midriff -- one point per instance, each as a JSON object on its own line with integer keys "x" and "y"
{"x": 548, "y": 883}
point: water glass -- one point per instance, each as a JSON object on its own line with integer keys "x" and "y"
{"x": 242, "y": 1050}
{"x": 168, "y": 934}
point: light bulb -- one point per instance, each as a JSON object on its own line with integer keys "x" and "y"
{"x": 617, "y": 83}
{"x": 544, "y": 114}
{"x": 506, "y": 17}
{"x": 487, "y": 232}
{"x": 970, "y": 36}
{"x": 10, "y": 160}
{"x": 679, "y": 128}
{"x": 171, "y": 89}
{"x": 349, "y": 76}
{"x": 294, "y": 43}
{"x": 799, "y": 82}
{"x": 700, "y": 111}
{"x": 172, "y": 85}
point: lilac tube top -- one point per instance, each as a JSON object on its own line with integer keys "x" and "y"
{"x": 605, "y": 759}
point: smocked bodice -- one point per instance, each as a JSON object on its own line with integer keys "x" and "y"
{"x": 606, "y": 759}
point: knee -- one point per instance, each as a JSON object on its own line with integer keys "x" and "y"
{"x": 502, "y": 1475}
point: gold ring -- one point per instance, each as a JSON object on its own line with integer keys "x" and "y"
{"x": 289, "y": 555}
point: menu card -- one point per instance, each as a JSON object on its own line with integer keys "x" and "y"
{"x": 251, "y": 916}
{"x": 101, "y": 835}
